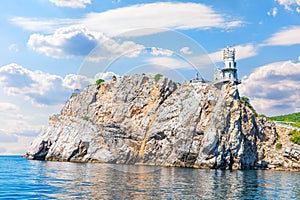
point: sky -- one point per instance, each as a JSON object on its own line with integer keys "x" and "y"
{"x": 49, "y": 48}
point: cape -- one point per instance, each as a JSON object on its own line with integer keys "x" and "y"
{"x": 152, "y": 120}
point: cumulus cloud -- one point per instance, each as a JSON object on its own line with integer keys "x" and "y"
{"x": 109, "y": 48}
{"x": 39, "y": 87}
{"x": 76, "y": 41}
{"x": 64, "y": 43}
{"x": 71, "y": 3}
{"x": 273, "y": 12}
{"x": 274, "y": 88}
{"x": 289, "y": 4}
{"x": 116, "y": 21}
{"x": 156, "y": 51}
{"x": 185, "y": 50}
{"x": 285, "y": 37}
{"x": 73, "y": 81}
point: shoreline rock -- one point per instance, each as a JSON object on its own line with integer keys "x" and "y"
{"x": 138, "y": 120}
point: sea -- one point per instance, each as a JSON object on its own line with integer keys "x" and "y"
{"x": 27, "y": 179}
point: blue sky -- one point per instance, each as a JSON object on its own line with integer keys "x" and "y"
{"x": 51, "y": 47}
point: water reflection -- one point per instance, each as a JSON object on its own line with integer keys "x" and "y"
{"x": 104, "y": 181}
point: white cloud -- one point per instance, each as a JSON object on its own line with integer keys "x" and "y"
{"x": 38, "y": 87}
{"x": 273, "y": 88}
{"x": 15, "y": 125}
{"x": 109, "y": 48}
{"x": 64, "y": 43}
{"x": 298, "y": 10}
{"x": 156, "y": 51}
{"x": 104, "y": 75}
{"x": 288, "y": 4}
{"x": 273, "y": 12}
{"x": 242, "y": 52}
{"x": 13, "y": 48}
{"x": 139, "y": 17}
{"x": 71, "y": 3}
{"x": 46, "y": 25}
{"x": 286, "y": 37}
{"x": 76, "y": 41}
{"x": 41, "y": 88}
{"x": 192, "y": 16}
{"x": 73, "y": 81}
{"x": 186, "y": 51}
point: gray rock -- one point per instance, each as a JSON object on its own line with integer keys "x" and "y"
{"x": 136, "y": 120}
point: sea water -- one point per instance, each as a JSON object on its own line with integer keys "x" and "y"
{"x": 24, "y": 179}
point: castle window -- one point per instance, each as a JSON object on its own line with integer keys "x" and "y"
{"x": 230, "y": 64}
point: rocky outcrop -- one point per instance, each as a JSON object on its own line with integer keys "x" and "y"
{"x": 140, "y": 120}
{"x": 277, "y": 151}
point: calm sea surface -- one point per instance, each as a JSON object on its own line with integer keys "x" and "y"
{"x": 24, "y": 179}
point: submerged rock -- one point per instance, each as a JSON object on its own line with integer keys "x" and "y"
{"x": 138, "y": 120}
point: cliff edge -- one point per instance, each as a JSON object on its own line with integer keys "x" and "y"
{"x": 141, "y": 120}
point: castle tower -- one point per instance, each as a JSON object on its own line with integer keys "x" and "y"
{"x": 229, "y": 71}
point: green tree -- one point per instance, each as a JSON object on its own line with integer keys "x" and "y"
{"x": 99, "y": 81}
{"x": 157, "y": 77}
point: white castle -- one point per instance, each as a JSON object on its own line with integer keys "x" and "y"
{"x": 229, "y": 71}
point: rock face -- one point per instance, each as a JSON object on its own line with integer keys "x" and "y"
{"x": 140, "y": 120}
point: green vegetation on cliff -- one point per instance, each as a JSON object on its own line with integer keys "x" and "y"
{"x": 157, "y": 77}
{"x": 99, "y": 81}
{"x": 246, "y": 101}
{"x": 295, "y": 136}
{"x": 293, "y": 119}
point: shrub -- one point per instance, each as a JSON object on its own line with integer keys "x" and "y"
{"x": 157, "y": 77}
{"x": 246, "y": 101}
{"x": 99, "y": 81}
{"x": 278, "y": 146}
{"x": 295, "y": 136}
{"x": 292, "y": 132}
{"x": 74, "y": 94}
{"x": 86, "y": 118}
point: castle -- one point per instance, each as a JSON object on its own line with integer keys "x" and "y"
{"x": 229, "y": 71}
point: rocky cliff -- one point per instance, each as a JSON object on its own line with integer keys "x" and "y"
{"x": 140, "y": 120}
